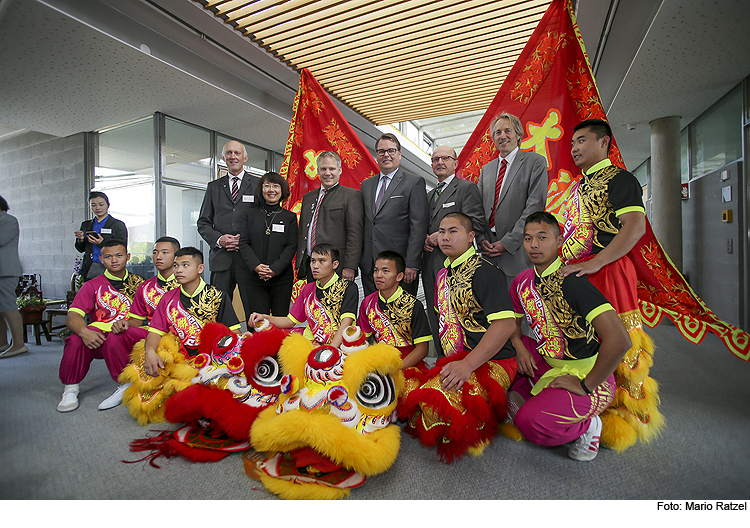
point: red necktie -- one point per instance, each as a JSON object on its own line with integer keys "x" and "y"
{"x": 498, "y": 186}
{"x": 315, "y": 218}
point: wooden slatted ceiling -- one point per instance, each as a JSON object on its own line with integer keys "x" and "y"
{"x": 393, "y": 60}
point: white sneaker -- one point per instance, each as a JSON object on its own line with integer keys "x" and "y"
{"x": 69, "y": 401}
{"x": 115, "y": 399}
{"x": 587, "y": 446}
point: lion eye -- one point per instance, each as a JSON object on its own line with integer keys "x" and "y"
{"x": 268, "y": 372}
{"x": 377, "y": 391}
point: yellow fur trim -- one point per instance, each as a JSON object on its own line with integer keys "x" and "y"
{"x": 510, "y": 430}
{"x": 477, "y": 450}
{"x": 617, "y": 433}
{"x": 293, "y": 355}
{"x": 181, "y": 371}
{"x": 302, "y": 491}
{"x": 369, "y": 454}
{"x": 639, "y": 398}
{"x": 381, "y": 358}
{"x": 639, "y": 359}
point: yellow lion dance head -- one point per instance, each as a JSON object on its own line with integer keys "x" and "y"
{"x": 331, "y": 427}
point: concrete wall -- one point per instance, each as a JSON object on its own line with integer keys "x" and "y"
{"x": 42, "y": 177}
{"x": 711, "y": 248}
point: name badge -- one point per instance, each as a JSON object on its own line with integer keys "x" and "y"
{"x": 106, "y": 231}
{"x": 278, "y": 228}
{"x": 248, "y": 198}
{"x": 449, "y": 204}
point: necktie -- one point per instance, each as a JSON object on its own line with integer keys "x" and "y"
{"x": 235, "y": 189}
{"x": 498, "y": 185}
{"x": 439, "y": 190}
{"x": 315, "y": 218}
{"x": 383, "y": 185}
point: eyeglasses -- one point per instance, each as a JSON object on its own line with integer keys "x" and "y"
{"x": 383, "y": 152}
{"x": 271, "y": 186}
{"x": 444, "y": 159}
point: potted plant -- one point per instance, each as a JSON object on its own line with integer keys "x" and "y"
{"x": 31, "y": 308}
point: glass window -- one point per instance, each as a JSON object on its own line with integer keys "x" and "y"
{"x": 187, "y": 151}
{"x": 684, "y": 161}
{"x": 124, "y": 170}
{"x": 716, "y": 137}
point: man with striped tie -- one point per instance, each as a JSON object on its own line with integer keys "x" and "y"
{"x": 450, "y": 195}
{"x": 512, "y": 186}
{"x": 224, "y": 206}
{"x": 330, "y": 215}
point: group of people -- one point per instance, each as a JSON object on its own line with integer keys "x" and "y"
{"x": 489, "y": 256}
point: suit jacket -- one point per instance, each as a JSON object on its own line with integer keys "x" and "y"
{"x": 219, "y": 216}
{"x": 282, "y": 242}
{"x": 401, "y": 222}
{"x": 116, "y": 229}
{"x": 10, "y": 265}
{"x": 340, "y": 221}
{"x": 458, "y": 196}
{"x": 524, "y": 192}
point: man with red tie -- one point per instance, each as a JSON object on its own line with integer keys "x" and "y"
{"x": 512, "y": 186}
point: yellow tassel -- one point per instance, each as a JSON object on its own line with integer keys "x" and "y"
{"x": 299, "y": 491}
{"x": 509, "y": 430}
{"x": 477, "y": 450}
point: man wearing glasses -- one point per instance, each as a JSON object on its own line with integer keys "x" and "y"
{"x": 451, "y": 195}
{"x": 396, "y": 215}
{"x": 513, "y": 186}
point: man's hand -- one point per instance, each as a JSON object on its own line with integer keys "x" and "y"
{"x": 91, "y": 338}
{"x": 152, "y": 363}
{"x": 410, "y": 275}
{"x": 255, "y": 318}
{"x": 119, "y": 326}
{"x": 454, "y": 374}
{"x": 569, "y": 383}
{"x": 348, "y": 274}
{"x": 526, "y": 363}
{"x": 494, "y": 249}
{"x": 230, "y": 242}
{"x": 431, "y": 242}
{"x": 587, "y": 267}
{"x": 264, "y": 271}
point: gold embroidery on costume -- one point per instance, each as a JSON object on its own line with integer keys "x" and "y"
{"x": 550, "y": 288}
{"x": 130, "y": 284}
{"x": 205, "y": 306}
{"x": 462, "y": 298}
{"x": 332, "y": 298}
{"x": 595, "y": 198}
{"x": 399, "y": 314}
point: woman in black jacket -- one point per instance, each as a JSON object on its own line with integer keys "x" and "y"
{"x": 268, "y": 242}
{"x": 94, "y": 232}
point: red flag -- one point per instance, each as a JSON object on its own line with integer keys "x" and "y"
{"x": 316, "y": 126}
{"x": 551, "y": 89}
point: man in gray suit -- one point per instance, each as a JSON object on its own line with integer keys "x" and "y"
{"x": 512, "y": 187}
{"x": 330, "y": 215}
{"x": 225, "y": 203}
{"x": 451, "y": 195}
{"x": 396, "y": 215}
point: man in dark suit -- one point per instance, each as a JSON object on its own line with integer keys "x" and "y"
{"x": 330, "y": 215}
{"x": 512, "y": 187}
{"x": 450, "y": 195}
{"x": 93, "y": 233}
{"x": 224, "y": 207}
{"x": 396, "y": 215}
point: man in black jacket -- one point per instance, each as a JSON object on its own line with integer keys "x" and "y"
{"x": 224, "y": 206}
